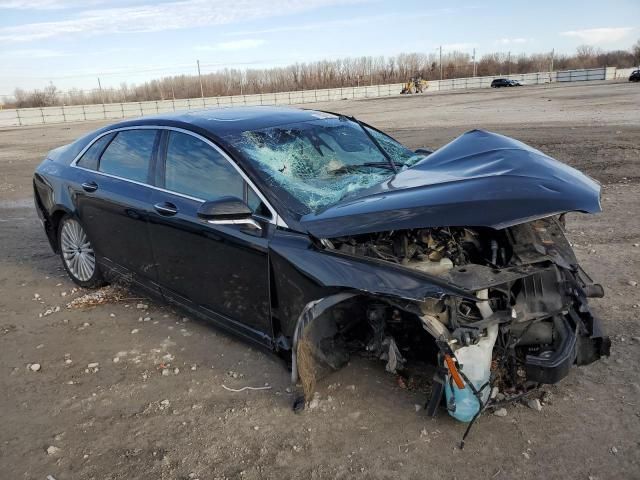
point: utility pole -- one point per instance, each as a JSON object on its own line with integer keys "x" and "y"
{"x": 440, "y": 62}
{"x": 553, "y": 51}
{"x": 509, "y": 62}
{"x": 100, "y": 88}
{"x": 200, "y": 78}
{"x": 474, "y": 62}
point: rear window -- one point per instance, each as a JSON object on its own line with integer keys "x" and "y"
{"x": 129, "y": 155}
{"x": 92, "y": 155}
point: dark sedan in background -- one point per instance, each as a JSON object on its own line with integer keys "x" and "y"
{"x": 319, "y": 236}
{"x": 504, "y": 82}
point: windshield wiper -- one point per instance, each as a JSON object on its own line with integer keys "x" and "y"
{"x": 349, "y": 168}
{"x": 375, "y": 142}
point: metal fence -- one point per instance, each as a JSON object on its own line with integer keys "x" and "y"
{"x": 113, "y": 111}
{"x": 625, "y": 72}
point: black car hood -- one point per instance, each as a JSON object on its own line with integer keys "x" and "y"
{"x": 480, "y": 179}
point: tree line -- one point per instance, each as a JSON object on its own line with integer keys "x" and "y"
{"x": 346, "y": 72}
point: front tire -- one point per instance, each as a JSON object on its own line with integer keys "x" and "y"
{"x": 77, "y": 254}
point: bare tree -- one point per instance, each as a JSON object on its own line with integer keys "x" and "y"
{"x": 345, "y": 72}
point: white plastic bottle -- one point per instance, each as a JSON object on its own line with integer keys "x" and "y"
{"x": 475, "y": 362}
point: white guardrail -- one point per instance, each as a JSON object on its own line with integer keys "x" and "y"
{"x": 113, "y": 111}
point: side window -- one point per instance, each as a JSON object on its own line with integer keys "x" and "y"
{"x": 92, "y": 155}
{"x": 195, "y": 168}
{"x": 129, "y": 154}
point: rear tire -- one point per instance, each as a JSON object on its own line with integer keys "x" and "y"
{"x": 77, "y": 254}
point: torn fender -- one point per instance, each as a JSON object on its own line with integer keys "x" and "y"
{"x": 480, "y": 179}
{"x": 342, "y": 271}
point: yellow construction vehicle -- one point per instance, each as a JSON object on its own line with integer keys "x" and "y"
{"x": 415, "y": 85}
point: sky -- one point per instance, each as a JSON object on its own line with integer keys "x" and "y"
{"x": 72, "y": 43}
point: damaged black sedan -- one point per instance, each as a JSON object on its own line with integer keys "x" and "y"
{"x": 320, "y": 237}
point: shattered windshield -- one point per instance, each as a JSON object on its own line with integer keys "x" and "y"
{"x": 322, "y": 161}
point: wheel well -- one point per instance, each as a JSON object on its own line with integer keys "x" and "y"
{"x": 335, "y": 327}
{"x": 52, "y": 231}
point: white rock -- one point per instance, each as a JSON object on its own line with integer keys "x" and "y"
{"x": 36, "y": 296}
{"x": 116, "y": 359}
{"x": 632, "y": 283}
{"x": 51, "y": 450}
{"x": 142, "y": 306}
{"x": 112, "y": 315}
{"x": 315, "y": 401}
{"x": 501, "y": 412}
{"x": 93, "y": 365}
{"x": 534, "y": 404}
{"x": 135, "y": 330}
{"x": 165, "y": 372}
{"x": 35, "y": 367}
{"x": 68, "y": 361}
{"x": 176, "y": 371}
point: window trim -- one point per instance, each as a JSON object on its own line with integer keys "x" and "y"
{"x": 102, "y": 150}
{"x": 276, "y": 219}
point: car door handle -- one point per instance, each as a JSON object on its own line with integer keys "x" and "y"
{"x": 166, "y": 208}
{"x": 89, "y": 186}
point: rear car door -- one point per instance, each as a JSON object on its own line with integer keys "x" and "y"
{"x": 113, "y": 201}
{"x": 220, "y": 270}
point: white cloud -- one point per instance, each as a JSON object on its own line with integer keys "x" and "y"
{"x": 47, "y": 4}
{"x": 512, "y": 41}
{"x": 32, "y": 53}
{"x": 160, "y": 17}
{"x": 350, "y": 22}
{"x": 245, "y": 44}
{"x": 594, "y": 36}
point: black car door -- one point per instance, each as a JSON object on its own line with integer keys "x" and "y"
{"x": 220, "y": 270}
{"x": 113, "y": 200}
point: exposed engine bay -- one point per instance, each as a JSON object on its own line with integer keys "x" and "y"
{"x": 521, "y": 318}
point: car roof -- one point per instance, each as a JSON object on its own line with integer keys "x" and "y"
{"x": 222, "y": 121}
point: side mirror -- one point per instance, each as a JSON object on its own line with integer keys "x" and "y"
{"x": 227, "y": 211}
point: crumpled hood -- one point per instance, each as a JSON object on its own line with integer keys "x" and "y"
{"x": 480, "y": 179}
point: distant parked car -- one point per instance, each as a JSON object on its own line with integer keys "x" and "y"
{"x": 505, "y": 82}
{"x": 635, "y": 76}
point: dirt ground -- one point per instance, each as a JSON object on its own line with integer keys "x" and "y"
{"x": 123, "y": 419}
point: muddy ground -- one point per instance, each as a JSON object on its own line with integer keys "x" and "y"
{"x": 124, "y": 419}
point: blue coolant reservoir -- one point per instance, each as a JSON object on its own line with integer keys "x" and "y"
{"x": 475, "y": 362}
